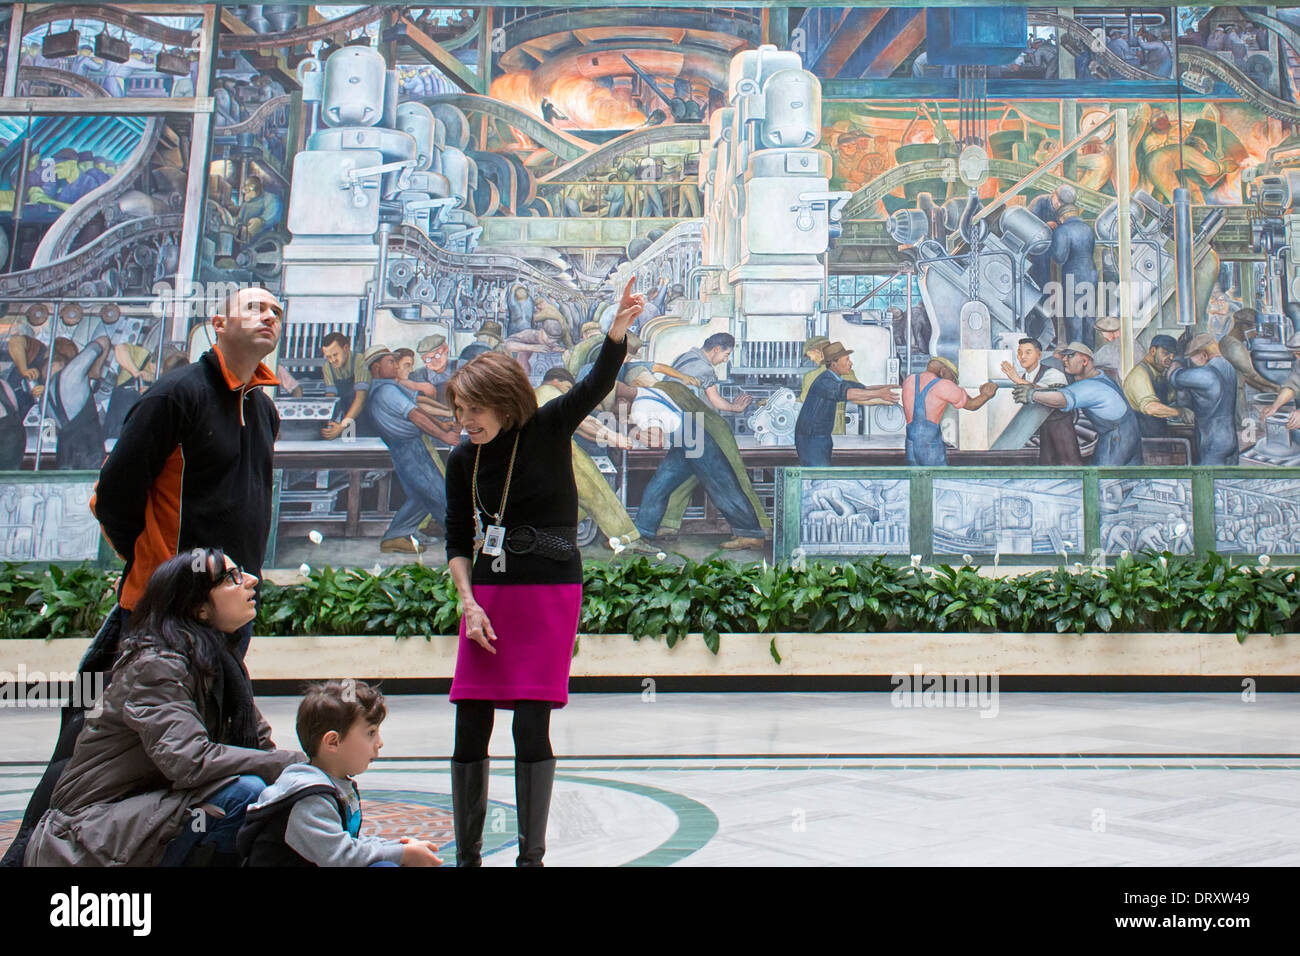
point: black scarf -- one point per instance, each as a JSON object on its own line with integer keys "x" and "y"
{"x": 237, "y": 721}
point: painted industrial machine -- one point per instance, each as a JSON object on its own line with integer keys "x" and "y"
{"x": 769, "y": 212}
{"x": 372, "y": 166}
{"x": 1275, "y": 231}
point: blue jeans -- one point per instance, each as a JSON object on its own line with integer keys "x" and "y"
{"x": 714, "y": 472}
{"x": 218, "y": 830}
{"x": 426, "y": 491}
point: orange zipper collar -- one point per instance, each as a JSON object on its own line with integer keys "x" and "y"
{"x": 261, "y": 375}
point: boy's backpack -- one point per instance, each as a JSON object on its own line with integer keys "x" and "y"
{"x": 260, "y": 841}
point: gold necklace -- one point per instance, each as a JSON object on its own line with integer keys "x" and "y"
{"x": 505, "y": 492}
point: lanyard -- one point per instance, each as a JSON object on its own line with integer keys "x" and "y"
{"x": 478, "y": 505}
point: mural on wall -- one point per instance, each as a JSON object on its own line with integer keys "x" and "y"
{"x": 1257, "y": 516}
{"x": 862, "y": 515}
{"x": 1008, "y": 516}
{"x": 1146, "y": 514}
{"x": 868, "y": 236}
{"x": 46, "y": 521}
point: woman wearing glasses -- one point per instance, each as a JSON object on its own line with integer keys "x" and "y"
{"x": 162, "y": 774}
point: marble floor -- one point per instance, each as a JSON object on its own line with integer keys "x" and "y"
{"x": 844, "y": 778}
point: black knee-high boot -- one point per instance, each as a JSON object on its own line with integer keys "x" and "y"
{"x": 469, "y": 796}
{"x": 533, "y": 783}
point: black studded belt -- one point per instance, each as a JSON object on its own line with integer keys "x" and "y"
{"x": 558, "y": 544}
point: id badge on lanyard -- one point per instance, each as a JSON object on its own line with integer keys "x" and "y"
{"x": 494, "y": 539}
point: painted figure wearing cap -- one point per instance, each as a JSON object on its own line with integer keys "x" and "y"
{"x": 1106, "y": 356}
{"x": 577, "y": 357}
{"x": 1057, "y": 442}
{"x": 826, "y": 392}
{"x": 434, "y": 354}
{"x": 1101, "y": 401}
{"x": 931, "y": 393}
{"x": 403, "y": 425}
{"x": 1210, "y": 383}
{"x": 1148, "y": 390}
{"x": 73, "y": 182}
{"x": 1290, "y": 388}
{"x": 490, "y": 334}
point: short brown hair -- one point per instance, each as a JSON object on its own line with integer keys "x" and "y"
{"x": 497, "y": 382}
{"x": 336, "y": 705}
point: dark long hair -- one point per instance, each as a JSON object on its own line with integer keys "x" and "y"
{"x": 167, "y": 618}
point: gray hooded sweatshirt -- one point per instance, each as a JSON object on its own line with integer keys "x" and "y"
{"x": 315, "y": 831}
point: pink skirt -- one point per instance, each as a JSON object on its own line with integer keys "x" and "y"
{"x": 536, "y": 626}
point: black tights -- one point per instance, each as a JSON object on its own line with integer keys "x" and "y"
{"x": 532, "y": 729}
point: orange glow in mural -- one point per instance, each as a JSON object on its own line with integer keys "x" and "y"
{"x": 585, "y": 103}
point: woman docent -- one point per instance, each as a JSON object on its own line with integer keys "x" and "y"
{"x": 512, "y": 511}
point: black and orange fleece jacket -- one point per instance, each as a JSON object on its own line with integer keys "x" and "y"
{"x": 191, "y": 469}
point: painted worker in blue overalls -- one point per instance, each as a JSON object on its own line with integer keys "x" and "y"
{"x": 930, "y": 393}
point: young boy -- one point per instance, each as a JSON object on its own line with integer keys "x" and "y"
{"x": 311, "y": 815}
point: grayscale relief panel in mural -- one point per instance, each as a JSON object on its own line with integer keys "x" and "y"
{"x": 1146, "y": 514}
{"x": 47, "y": 521}
{"x": 857, "y": 515}
{"x": 1008, "y": 515}
{"x": 1257, "y": 515}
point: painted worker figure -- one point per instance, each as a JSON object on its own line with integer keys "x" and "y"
{"x": 1148, "y": 391}
{"x": 71, "y": 400}
{"x": 1233, "y": 347}
{"x": 1157, "y": 57}
{"x": 720, "y": 431}
{"x": 402, "y": 426}
{"x": 1102, "y": 402}
{"x": 347, "y": 378}
{"x": 921, "y": 329}
{"x": 1106, "y": 356}
{"x": 520, "y": 308}
{"x": 72, "y": 183}
{"x": 813, "y": 350}
{"x": 1057, "y": 442}
{"x": 932, "y": 391}
{"x": 1290, "y": 388}
{"x": 700, "y": 364}
{"x": 661, "y": 422}
{"x": 13, "y": 436}
{"x": 1210, "y": 384}
{"x": 259, "y": 210}
{"x": 1045, "y": 208}
{"x": 812, "y": 429}
{"x": 591, "y": 337}
{"x": 1074, "y": 244}
{"x": 491, "y": 334}
{"x": 433, "y": 370}
{"x": 595, "y": 496}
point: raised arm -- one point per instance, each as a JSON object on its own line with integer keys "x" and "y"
{"x": 568, "y": 410}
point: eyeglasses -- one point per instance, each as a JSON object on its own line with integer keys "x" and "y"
{"x": 233, "y": 575}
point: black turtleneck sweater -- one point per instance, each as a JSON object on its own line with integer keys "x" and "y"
{"x": 542, "y": 491}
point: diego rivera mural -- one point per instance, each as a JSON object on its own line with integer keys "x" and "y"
{"x": 901, "y": 237}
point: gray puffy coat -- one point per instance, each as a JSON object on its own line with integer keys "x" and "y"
{"x": 141, "y": 764}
